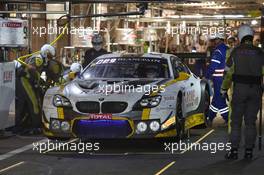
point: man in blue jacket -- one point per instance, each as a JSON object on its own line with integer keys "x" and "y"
{"x": 215, "y": 72}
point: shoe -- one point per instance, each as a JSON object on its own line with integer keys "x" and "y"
{"x": 209, "y": 123}
{"x": 223, "y": 125}
{"x": 17, "y": 130}
{"x": 248, "y": 154}
{"x": 37, "y": 131}
{"x": 232, "y": 154}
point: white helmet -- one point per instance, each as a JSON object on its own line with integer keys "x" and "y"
{"x": 219, "y": 36}
{"x": 211, "y": 37}
{"x": 244, "y": 30}
{"x": 97, "y": 39}
{"x": 17, "y": 64}
{"x": 47, "y": 48}
{"x": 76, "y": 67}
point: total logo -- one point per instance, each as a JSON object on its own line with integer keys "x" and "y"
{"x": 100, "y": 117}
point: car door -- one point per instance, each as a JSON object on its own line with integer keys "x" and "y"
{"x": 192, "y": 92}
{"x": 189, "y": 87}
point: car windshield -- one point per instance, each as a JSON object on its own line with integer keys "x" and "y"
{"x": 140, "y": 67}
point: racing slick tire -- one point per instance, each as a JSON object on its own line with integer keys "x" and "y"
{"x": 180, "y": 121}
{"x": 58, "y": 138}
{"x": 205, "y": 109}
{"x": 207, "y": 102}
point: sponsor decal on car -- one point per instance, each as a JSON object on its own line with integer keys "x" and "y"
{"x": 100, "y": 116}
{"x": 167, "y": 98}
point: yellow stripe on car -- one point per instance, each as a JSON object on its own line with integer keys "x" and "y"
{"x": 145, "y": 114}
{"x": 168, "y": 123}
{"x": 169, "y": 133}
{"x": 182, "y": 76}
{"x": 194, "y": 120}
{"x": 60, "y": 113}
{"x": 47, "y": 133}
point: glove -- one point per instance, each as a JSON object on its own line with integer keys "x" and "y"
{"x": 223, "y": 93}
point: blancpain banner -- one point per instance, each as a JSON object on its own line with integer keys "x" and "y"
{"x": 7, "y": 94}
{"x": 13, "y": 33}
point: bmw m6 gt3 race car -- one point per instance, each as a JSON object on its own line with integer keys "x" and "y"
{"x": 127, "y": 96}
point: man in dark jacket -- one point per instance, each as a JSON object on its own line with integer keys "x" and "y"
{"x": 94, "y": 52}
{"x": 245, "y": 72}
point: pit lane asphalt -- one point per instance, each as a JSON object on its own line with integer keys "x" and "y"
{"x": 127, "y": 158}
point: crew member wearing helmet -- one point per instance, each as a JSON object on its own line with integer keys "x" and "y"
{"x": 47, "y": 52}
{"x": 51, "y": 66}
{"x": 28, "y": 101}
{"x": 231, "y": 42}
{"x": 245, "y": 71}
{"x": 29, "y": 87}
{"x": 75, "y": 71}
{"x": 215, "y": 72}
{"x": 94, "y": 52}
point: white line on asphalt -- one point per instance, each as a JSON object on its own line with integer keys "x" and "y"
{"x": 20, "y": 150}
{"x": 12, "y": 166}
{"x": 207, "y": 134}
{"x": 169, "y": 165}
{"x": 108, "y": 154}
{"x": 165, "y": 168}
{"x": 49, "y": 150}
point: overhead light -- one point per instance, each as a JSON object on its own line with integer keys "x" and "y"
{"x": 229, "y": 16}
{"x": 184, "y": 23}
{"x": 197, "y": 16}
{"x": 12, "y": 15}
{"x": 254, "y": 22}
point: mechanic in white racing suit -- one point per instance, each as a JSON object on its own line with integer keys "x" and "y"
{"x": 75, "y": 71}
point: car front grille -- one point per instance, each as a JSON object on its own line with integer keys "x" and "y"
{"x": 88, "y": 107}
{"x": 113, "y": 107}
{"x": 102, "y": 128}
{"x": 106, "y": 107}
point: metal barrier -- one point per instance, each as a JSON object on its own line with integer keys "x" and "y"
{"x": 7, "y": 95}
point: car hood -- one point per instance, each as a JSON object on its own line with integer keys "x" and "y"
{"x": 113, "y": 89}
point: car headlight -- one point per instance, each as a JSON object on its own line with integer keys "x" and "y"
{"x": 144, "y": 102}
{"x": 60, "y": 101}
{"x": 55, "y": 124}
{"x": 154, "y": 126}
{"x": 65, "y": 126}
{"x": 150, "y": 101}
{"x": 141, "y": 127}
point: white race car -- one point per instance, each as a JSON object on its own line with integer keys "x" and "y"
{"x": 127, "y": 96}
